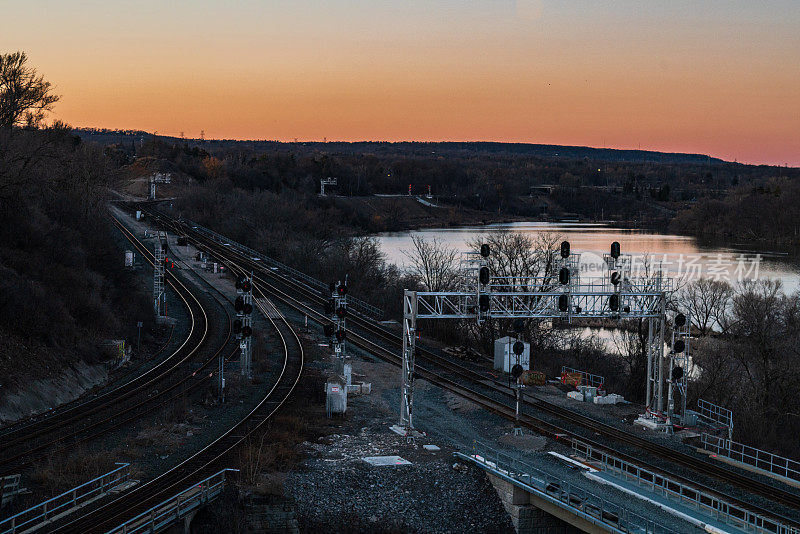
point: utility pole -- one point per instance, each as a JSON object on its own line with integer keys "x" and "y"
{"x": 518, "y": 347}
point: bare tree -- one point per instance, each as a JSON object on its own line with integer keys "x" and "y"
{"x": 434, "y": 264}
{"x": 708, "y": 301}
{"x": 759, "y": 311}
{"x": 25, "y": 96}
{"x": 522, "y": 263}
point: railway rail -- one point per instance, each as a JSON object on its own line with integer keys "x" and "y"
{"x": 271, "y": 280}
{"x": 122, "y": 405}
{"x": 202, "y": 463}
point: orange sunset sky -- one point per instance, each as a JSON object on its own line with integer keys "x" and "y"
{"x": 715, "y": 77}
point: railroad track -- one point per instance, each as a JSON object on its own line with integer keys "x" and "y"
{"x": 203, "y": 462}
{"x": 28, "y": 424}
{"x": 269, "y": 279}
{"x": 122, "y": 405}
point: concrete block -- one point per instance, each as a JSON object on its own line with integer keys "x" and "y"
{"x": 589, "y": 392}
{"x": 611, "y": 398}
{"x": 575, "y": 395}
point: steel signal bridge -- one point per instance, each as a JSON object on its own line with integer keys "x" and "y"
{"x": 555, "y": 296}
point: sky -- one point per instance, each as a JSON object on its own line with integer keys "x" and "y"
{"x": 718, "y": 77}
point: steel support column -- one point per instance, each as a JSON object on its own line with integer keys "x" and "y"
{"x": 407, "y": 368}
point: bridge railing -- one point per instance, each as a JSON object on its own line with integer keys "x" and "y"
{"x": 778, "y": 465}
{"x": 587, "y": 505}
{"x": 674, "y": 490}
{"x": 65, "y": 501}
{"x": 175, "y": 508}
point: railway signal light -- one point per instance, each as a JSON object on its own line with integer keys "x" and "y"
{"x": 518, "y": 348}
{"x": 615, "y": 278}
{"x": 680, "y": 320}
{"x": 342, "y": 289}
{"x": 246, "y": 286}
{"x": 679, "y": 346}
{"x": 563, "y": 302}
{"x": 485, "y": 250}
{"x": 483, "y": 303}
{"x": 615, "y": 249}
{"x": 483, "y": 275}
{"x": 516, "y": 370}
{"x": 241, "y": 306}
{"x": 247, "y": 331}
{"x": 613, "y": 302}
{"x": 677, "y": 373}
{"x": 565, "y": 249}
{"x": 341, "y": 312}
{"x": 563, "y": 276}
{"x": 340, "y": 335}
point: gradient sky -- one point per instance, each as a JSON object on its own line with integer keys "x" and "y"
{"x": 716, "y": 76}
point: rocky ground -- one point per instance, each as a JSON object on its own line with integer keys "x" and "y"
{"x": 336, "y": 486}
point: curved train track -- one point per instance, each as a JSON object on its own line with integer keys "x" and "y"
{"x": 270, "y": 280}
{"x": 123, "y": 404}
{"x": 205, "y": 461}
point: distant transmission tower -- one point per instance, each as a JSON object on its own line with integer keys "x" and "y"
{"x": 323, "y": 183}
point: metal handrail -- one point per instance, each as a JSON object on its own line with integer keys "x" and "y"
{"x": 761, "y": 459}
{"x": 705, "y": 503}
{"x": 716, "y": 414}
{"x": 586, "y": 378}
{"x": 579, "y": 501}
{"x": 70, "y": 498}
{"x": 363, "y": 307}
{"x": 176, "y": 507}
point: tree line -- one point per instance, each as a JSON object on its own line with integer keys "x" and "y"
{"x": 63, "y": 290}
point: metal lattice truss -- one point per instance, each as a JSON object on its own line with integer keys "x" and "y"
{"x": 682, "y": 360}
{"x": 339, "y": 346}
{"x": 542, "y": 298}
{"x": 583, "y": 302}
{"x": 246, "y": 342}
{"x": 159, "y": 296}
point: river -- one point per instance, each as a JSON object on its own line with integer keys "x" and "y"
{"x": 681, "y": 256}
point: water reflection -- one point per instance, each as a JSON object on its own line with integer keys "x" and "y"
{"x": 681, "y": 255}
